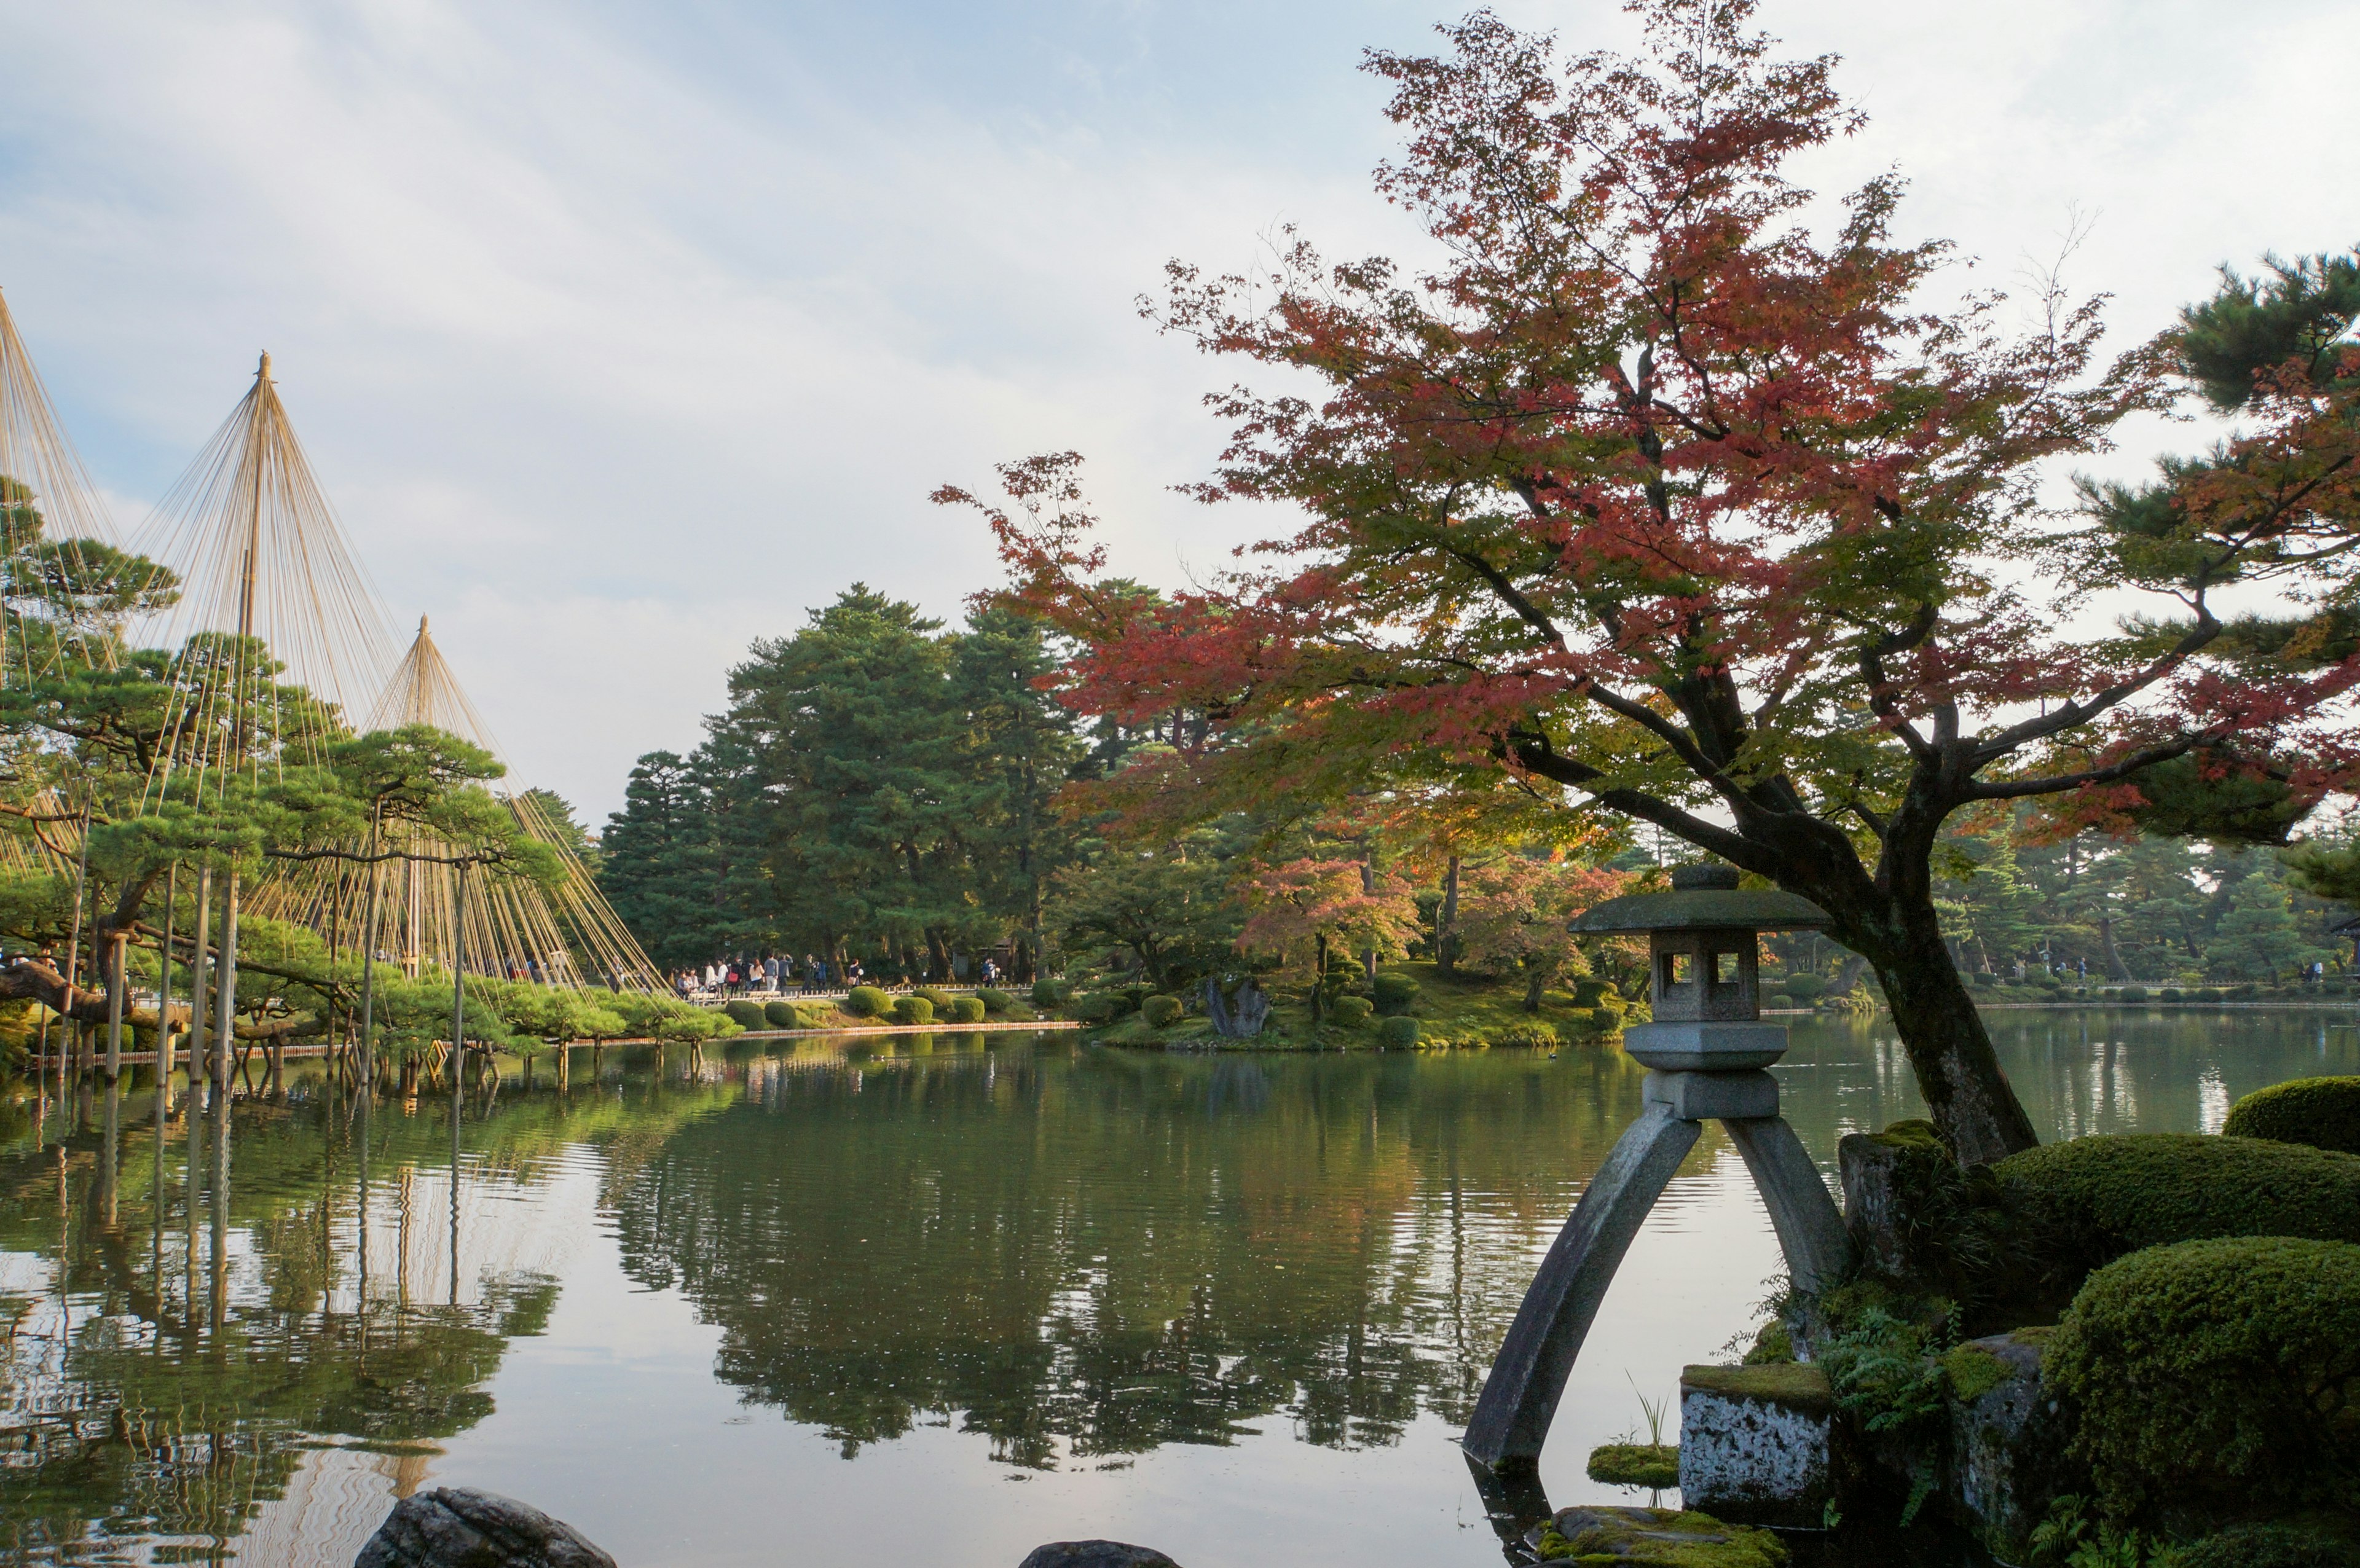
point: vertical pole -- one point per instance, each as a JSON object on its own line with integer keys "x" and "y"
{"x": 118, "y": 945}
{"x": 225, "y": 993}
{"x": 73, "y": 949}
{"x": 458, "y": 1023}
{"x": 200, "y": 1067}
{"x": 164, "y": 993}
{"x": 368, "y": 958}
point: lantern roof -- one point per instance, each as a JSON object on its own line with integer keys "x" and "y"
{"x": 1702, "y": 897}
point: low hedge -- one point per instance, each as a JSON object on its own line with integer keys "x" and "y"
{"x": 1393, "y": 993}
{"x": 940, "y": 999}
{"x": 867, "y": 1002}
{"x": 995, "y": 1000}
{"x": 1048, "y": 993}
{"x": 1526, "y": 1031}
{"x": 2114, "y": 1194}
{"x": 913, "y": 1009}
{"x": 1161, "y": 1011}
{"x": 1606, "y": 1020}
{"x": 1097, "y": 1009}
{"x": 1397, "y": 1033}
{"x": 2321, "y": 1112}
{"x": 783, "y": 1015}
{"x": 2268, "y": 1546}
{"x": 744, "y": 1013}
{"x": 2223, "y": 1371}
{"x": 966, "y": 1010}
{"x": 1352, "y": 1012}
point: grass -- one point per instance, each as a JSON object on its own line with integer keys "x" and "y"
{"x": 1462, "y": 1011}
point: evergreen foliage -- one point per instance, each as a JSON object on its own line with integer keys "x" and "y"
{"x": 2321, "y": 1112}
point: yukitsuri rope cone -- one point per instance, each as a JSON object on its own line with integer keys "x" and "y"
{"x": 282, "y": 640}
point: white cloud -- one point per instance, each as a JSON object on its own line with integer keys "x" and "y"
{"x": 621, "y": 334}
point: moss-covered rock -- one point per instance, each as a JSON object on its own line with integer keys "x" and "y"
{"x": 2220, "y": 1374}
{"x": 2006, "y": 1442}
{"x": 2321, "y": 1112}
{"x": 1652, "y": 1537}
{"x": 1650, "y": 1465}
{"x": 1757, "y": 1442}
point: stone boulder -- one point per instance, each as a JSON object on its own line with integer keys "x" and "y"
{"x": 1095, "y": 1554}
{"x": 1652, "y": 1537}
{"x": 1755, "y": 1442}
{"x": 2008, "y": 1439}
{"x": 457, "y": 1526}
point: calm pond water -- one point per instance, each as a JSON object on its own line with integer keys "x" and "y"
{"x": 948, "y": 1296}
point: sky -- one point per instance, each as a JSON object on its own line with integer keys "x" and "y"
{"x": 622, "y": 334}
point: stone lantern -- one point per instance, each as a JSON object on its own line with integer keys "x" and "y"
{"x": 1706, "y": 1051}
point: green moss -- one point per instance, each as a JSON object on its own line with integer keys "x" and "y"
{"x": 2290, "y": 1544}
{"x": 1655, "y": 1537}
{"x": 1774, "y": 1344}
{"x": 1652, "y": 1465}
{"x": 2224, "y": 1372}
{"x": 1803, "y": 1384}
{"x": 2321, "y": 1112}
{"x": 1973, "y": 1372}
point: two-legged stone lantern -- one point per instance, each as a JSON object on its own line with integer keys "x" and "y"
{"x": 1706, "y": 1048}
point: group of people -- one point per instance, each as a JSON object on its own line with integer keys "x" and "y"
{"x": 775, "y": 974}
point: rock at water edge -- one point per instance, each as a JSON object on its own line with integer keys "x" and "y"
{"x": 1652, "y": 1537}
{"x": 1754, "y": 1442}
{"x": 2007, "y": 1440}
{"x": 1095, "y": 1554}
{"x": 457, "y": 1526}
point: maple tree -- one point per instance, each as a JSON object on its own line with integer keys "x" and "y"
{"x": 1327, "y": 908}
{"x": 1653, "y": 500}
{"x": 1514, "y": 914}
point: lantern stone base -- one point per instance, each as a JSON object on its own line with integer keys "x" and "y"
{"x": 1518, "y": 1400}
{"x": 1754, "y": 1442}
{"x": 1705, "y": 1047}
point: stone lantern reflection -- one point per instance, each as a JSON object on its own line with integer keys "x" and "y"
{"x": 1706, "y": 1050}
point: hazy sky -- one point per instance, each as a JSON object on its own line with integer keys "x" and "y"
{"x": 622, "y": 333}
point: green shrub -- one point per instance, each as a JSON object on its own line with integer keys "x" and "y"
{"x": 939, "y": 999}
{"x": 1393, "y": 992}
{"x": 745, "y": 1014}
{"x": 1526, "y": 1031}
{"x": 1778, "y": 999}
{"x": 867, "y": 1002}
{"x": 913, "y": 1009}
{"x": 2225, "y": 1369}
{"x": 966, "y": 1010}
{"x": 1807, "y": 987}
{"x": 1098, "y": 1008}
{"x": 1048, "y": 993}
{"x": 1161, "y": 1011}
{"x": 1606, "y": 1020}
{"x": 2123, "y": 1191}
{"x": 1397, "y": 1033}
{"x": 2321, "y": 1112}
{"x": 2133, "y": 994}
{"x": 2246, "y": 992}
{"x": 1352, "y": 1012}
{"x": 2171, "y": 993}
{"x": 783, "y": 1015}
{"x": 995, "y": 1000}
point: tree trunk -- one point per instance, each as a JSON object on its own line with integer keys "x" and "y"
{"x": 2114, "y": 966}
{"x": 1319, "y": 981}
{"x": 1533, "y": 990}
{"x": 1446, "y": 922}
{"x": 1957, "y": 1070}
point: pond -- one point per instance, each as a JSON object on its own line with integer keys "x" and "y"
{"x": 944, "y": 1297}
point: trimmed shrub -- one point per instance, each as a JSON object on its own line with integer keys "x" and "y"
{"x": 2133, "y": 994}
{"x": 1098, "y": 1008}
{"x": 913, "y": 1009}
{"x": 2227, "y": 1369}
{"x": 1393, "y": 993}
{"x": 995, "y": 1000}
{"x": 2171, "y": 993}
{"x": 1350, "y": 1012}
{"x": 2321, "y": 1112}
{"x": 781, "y": 1015}
{"x": 1161, "y": 1011}
{"x": 1048, "y": 993}
{"x": 1526, "y": 1031}
{"x": 940, "y": 999}
{"x": 867, "y": 1002}
{"x": 1397, "y": 1033}
{"x": 2067, "y": 1208}
{"x": 745, "y": 1014}
{"x": 1606, "y": 1020}
{"x": 1807, "y": 987}
{"x": 1778, "y": 999}
{"x": 966, "y": 1010}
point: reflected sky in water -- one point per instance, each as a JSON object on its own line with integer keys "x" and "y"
{"x": 961, "y": 1292}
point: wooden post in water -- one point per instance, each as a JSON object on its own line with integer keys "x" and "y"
{"x": 201, "y": 1070}
{"x": 164, "y": 999}
{"x": 226, "y": 992}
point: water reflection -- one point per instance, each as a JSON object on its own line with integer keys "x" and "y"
{"x": 244, "y": 1335}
